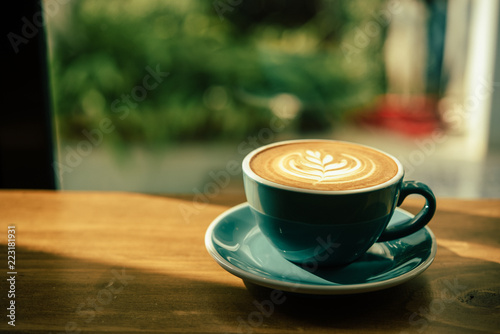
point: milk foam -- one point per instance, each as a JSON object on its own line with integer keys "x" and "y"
{"x": 324, "y": 165}
{"x": 317, "y": 167}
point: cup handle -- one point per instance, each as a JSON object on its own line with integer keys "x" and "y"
{"x": 420, "y": 219}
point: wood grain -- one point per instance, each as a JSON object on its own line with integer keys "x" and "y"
{"x": 125, "y": 262}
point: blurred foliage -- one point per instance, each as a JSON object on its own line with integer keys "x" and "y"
{"x": 226, "y": 64}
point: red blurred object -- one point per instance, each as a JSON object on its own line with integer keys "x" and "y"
{"x": 410, "y": 115}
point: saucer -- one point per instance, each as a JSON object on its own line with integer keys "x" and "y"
{"x": 235, "y": 241}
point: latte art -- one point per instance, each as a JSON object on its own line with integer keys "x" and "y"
{"x": 323, "y": 168}
{"x": 324, "y": 165}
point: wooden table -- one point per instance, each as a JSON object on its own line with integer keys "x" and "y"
{"x": 125, "y": 262}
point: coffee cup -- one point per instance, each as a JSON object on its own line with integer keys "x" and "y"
{"x": 326, "y": 202}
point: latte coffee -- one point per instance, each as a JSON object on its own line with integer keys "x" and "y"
{"x": 324, "y": 165}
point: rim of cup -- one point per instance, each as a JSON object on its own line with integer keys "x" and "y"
{"x": 250, "y": 173}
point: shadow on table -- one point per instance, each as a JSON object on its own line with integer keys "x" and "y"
{"x": 58, "y": 294}
{"x": 378, "y": 309}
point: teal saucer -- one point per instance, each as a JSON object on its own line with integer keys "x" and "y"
{"x": 236, "y": 243}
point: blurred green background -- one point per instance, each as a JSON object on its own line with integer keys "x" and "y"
{"x": 158, "y": 96}
{"x": 232, "y": 66}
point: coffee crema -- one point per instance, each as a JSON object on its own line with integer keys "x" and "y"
{"x": 324, "y": 165}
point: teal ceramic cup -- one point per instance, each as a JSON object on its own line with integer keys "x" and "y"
{"x": 325, "y": 228}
